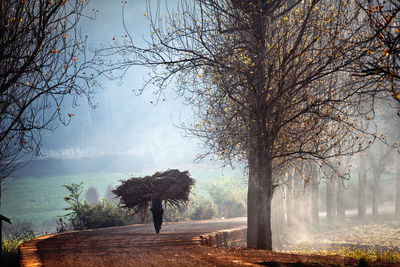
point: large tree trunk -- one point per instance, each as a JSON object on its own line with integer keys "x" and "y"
{"x": 259, "y": 197}
{"x": 340, "y": 208}
{"x": 260, "y": 187}
{"x": 1, "y": 227}
{"x": 330, "y": 200}
{"x": 362, "y": 185}
{"x": 314, "y": 198}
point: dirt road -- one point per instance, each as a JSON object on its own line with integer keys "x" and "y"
{"x": 178, "y": 244}
{"x": 135, "y": 245}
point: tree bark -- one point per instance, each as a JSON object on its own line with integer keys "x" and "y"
{"x": 259, "y": 197}
{"x": 362, "y": 185}
{"x": 1, "y": 227}
{"x": 340, "y": 205}
{"x": 315, "y": 198}
{"x": 260, "y": 187}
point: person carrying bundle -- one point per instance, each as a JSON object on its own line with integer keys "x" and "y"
{"x": 169, "y": 187}
{"x": 157, "y": 211}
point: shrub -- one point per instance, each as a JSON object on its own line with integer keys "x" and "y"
{"x": 202, "y": 209}
{"x": 198, "y": 208}
{"x": 229, "y": 196}
{"x": 19, "y": 230}
{"x": 83, "y": 215}
{"x": 13, "y": 236}
{"x": 172, "y": 214}
{"x": 86, "y": 216}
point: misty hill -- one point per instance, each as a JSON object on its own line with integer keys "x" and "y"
{"x": 104, "y": 163}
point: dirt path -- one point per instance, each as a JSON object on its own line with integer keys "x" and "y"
{"x": 178, "y": 244}
{"x": 124, "y": 246}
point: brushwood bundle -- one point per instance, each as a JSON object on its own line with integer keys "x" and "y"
{"x": 171, "y": 186}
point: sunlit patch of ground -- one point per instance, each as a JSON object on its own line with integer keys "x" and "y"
{"x": 374, "y": 240}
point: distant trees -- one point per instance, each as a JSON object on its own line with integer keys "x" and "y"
{"x": 382, "y": 153}
{"x": 43, "y": 60}
{"x": 397, "y": 196}
{"x": 362, "y": 186}
{"x": 229, "y": 196}
{"x": 198, "y": 208}
{"x": 340, "y": 204}
{"x": 92, "y": 195}
{"x": 330, "y": 198}
{"x": 110, "y": 195}
{"x": 268, "y": 82}
{"x": 315, "y": 195}
{"x": 377, "y": 160}
{"x": 382, "y": 65}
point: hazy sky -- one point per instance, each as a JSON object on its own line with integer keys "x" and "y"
{"x": 123, "y": 123}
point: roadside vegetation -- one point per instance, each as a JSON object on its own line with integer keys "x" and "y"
{"x": 41, "y": 200}
{"x": 227, "y": 201}
{"x": 13, "y": 236}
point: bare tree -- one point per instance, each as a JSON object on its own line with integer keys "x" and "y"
{"x": 268, "y": 83}
{"x": 42, "y": 61}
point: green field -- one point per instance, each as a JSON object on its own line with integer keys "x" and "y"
{"x": 40, "y": 200}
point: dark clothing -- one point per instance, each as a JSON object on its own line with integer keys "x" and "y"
{"x": 157, "y": 211}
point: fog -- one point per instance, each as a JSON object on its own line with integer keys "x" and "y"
{"x": 355, "y": 202}
{"x": 126, "y": 131}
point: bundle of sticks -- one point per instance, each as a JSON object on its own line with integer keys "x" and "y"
{"x": 171, "y": 186}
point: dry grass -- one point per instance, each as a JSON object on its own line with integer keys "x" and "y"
{"x": 373, "y": 241}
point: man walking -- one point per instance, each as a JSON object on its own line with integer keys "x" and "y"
{"x": 157, "y": 211}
